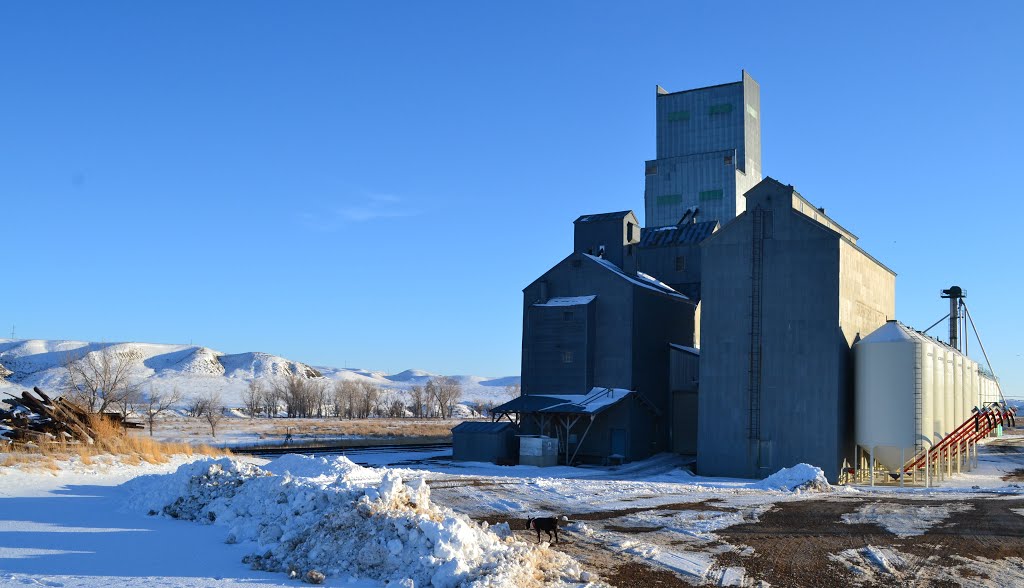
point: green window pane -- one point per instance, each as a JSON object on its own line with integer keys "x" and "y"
{"x": 710, "y": 195}
{"x": 679, "y": 116}
{"x": 720, "y": 109}
{"x": 666, "y": 199}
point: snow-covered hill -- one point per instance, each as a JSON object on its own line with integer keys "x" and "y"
{"x": 196, "y": 370}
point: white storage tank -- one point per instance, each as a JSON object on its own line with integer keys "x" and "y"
{"x": 886, "y": 391}
{"x": 958, "y": 389}
{"x": 971, "y": 394}
{"x": 949, "y": 401}
{"x": 927, "y": 432}
{"x": 911, "y": 391}
{"x": 938, "y": 392}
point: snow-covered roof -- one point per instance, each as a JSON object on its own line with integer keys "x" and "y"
{"x": 567, "y": 301}
{"x": 653, "y": 280}
{"x": 642, "y": 280}
{"x": 595, "y": 401}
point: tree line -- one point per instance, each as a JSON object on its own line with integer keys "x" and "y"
{"x": 300, "y": 397}
{"x": 101, "y": 381}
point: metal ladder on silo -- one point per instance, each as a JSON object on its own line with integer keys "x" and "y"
{"x": 756, "y": 269}
{"x": 918, "y": 403}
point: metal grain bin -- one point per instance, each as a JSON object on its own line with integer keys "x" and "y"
{"x": 477, "y": 441}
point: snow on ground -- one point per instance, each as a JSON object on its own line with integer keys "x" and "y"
{"x": 68, "y": 530}
{"x": 797, "y": 478}
{"x": 342, "y": 519}
{"x": 904, "y": 520}
{"x": 871, "y": 561}
{"x": 359, "y": 525}
{"x": 888, "y": 566}
{"x": 367, "y": 524}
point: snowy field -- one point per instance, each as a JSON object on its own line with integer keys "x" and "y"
{"x": 252, "y": 522}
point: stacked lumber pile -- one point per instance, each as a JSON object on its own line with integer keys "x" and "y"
{"x": 40, "y": 419}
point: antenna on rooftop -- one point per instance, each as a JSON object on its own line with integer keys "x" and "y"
{"x": 12, "y": 331}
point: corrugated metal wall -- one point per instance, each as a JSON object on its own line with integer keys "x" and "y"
{"x": 708, "y": 152}
{"x": 804, "y": 409}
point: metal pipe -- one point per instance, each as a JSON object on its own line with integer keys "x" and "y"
{"x": 580, "y": 443}
{"x": 933, "y": 326}
{"x": 999, "y": 388}
{"x": 954, "y": 322}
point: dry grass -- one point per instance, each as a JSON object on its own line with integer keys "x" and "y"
{"x": 367, "y": 427}
{"x": 109, "y": 439}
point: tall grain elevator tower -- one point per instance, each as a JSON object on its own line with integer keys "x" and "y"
{"x": 708, "y": 152}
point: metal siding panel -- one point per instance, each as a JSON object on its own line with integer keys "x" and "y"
{"x": 684, "y": 144}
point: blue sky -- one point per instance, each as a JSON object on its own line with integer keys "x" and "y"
{"x": 372, "y": 184}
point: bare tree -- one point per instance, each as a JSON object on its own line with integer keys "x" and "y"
{"x": 293, "y": 390}
{"x": 445, "y": 391}
{"x": 196, "y": 407}
{"x": 101, "y": 378}
{"x": 320, "y": 392}
{"x": 252, "y": 398}
{"x": 128, "y": 402}
{"x": 367, "y": 400}
{"x": 271, "y": 401}
{"x": 418, "y": 401}
{"x": 395, "y": 407}
{"x": 513, "y": 390}
{"x": 391, "y": 404}
{"x": 214, "y": 412}
{"x": 344, "y": 396}
{"x": 482, "y": 407}
{"x": 156, "y": 402}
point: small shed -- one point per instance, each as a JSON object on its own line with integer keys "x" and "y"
{"x": 482, "y": 441}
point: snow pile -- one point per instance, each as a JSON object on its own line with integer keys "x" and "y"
{"x": 903, "y": 520}
{"x": 799, "y": 478}
{"x": 340, "y": 519}
{"x": 307, "y": 466}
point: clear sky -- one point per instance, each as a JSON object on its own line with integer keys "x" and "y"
{"x": 372, "y": 184}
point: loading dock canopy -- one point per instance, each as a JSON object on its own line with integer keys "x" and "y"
{"x": 597, "y": 400}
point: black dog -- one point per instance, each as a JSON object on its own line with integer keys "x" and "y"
{"x": 547, "y": 524}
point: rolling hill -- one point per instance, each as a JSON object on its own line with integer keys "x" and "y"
{"x": 196, "y": 370}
